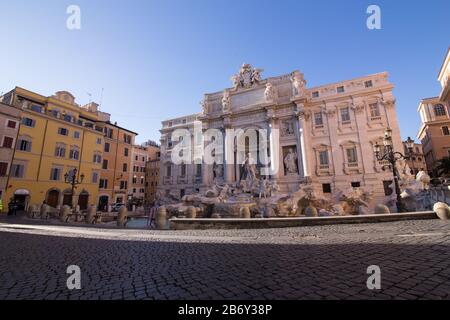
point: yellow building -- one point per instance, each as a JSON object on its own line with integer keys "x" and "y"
{"x": 54, "y": 138}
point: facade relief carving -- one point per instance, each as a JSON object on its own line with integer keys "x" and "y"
{"x": 247, "y": 77}
{"x": 304, "y": 115}
{"x": 358, "y": 108}
{"x": 331, "y": 113}
{"x": 287, "y": 128}
{"x": 388, "y": 103}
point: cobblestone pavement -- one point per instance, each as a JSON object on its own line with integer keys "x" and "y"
{"x": 320, "y": 262}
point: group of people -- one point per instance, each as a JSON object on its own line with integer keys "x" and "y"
{"x": 13, "y": 206}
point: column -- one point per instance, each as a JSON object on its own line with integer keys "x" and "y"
{"x": 274, "y": 145}
{"x": 228, "y": 146}
{"x": 298, "y": 136}
{"x": 302, "y": 142}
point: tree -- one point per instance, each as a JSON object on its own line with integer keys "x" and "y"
{"x": 443, "y": 168}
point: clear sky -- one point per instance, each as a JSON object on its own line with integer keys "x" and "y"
{"x": 156, "y": 59}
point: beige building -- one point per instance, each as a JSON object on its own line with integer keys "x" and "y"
{"x": 323, "y": 135}
{"x": 434, "y": 112}
{"x": 9, "y": 130}
{"x": 416, "y": 160}
{"x": 434, "y": 132}
{"x": 140, "y": 155}
{"x": 444, "y": 79}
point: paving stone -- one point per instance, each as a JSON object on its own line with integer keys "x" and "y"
{"x": 320, "y": 262}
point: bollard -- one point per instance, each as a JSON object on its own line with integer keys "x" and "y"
{"x": 90, "y": 215}
{"x": 245, "y": 213}
{"x": 191, "y": 212}
{"x": 45, "y": 211}
{"x": 363, "y": 210}
{"x": 310, "y": 211}
{"x": 61, "y": 211}
{"x": 122, "y": 217}
{"x": 442, "y": 210}
{"x": 64, "y": 216}
{"x": 31, "y": 211}
{"x": 381, "y": 209}
{"x": 161, "y": 218}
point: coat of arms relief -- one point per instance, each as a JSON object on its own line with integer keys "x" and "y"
{"x": 247, "y": 77}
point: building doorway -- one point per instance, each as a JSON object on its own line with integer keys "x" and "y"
{"x": 52, "y": 198}
{"x": 67, "y": 198}
{"x": 83, "y": 199}
{"x": 22, "y": 196}
{"x": 103, "y": 203}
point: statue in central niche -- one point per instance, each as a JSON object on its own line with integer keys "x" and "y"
{"x": 248, "y": 175}
{"x": 290, "y": 162}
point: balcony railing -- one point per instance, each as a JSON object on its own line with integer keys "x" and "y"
{"x": 167, "y": 180}
{"x": 197, "y": 179}
{"x": 182, "y": 180}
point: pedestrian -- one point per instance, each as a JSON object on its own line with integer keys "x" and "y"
{"x": 15, "y": 207}
{"x": 11, "y": 206}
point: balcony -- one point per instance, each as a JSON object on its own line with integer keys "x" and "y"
{"x": 352, "y": 167}
{"x": 182, "y": 180}
{"x": 197, "y": 179}
{"x": 167, "y": 180}
{"x": 324, "y": 170}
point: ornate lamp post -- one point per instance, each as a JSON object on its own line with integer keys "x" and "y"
{"x": 392, "y": 156}
{"x": 71, "y": 178}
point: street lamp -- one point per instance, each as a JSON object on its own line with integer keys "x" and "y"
{"x": 388, "y": 154}
{"x": 71, "y": 178}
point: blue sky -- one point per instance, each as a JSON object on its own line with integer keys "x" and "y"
{"x": 156, "y": 59}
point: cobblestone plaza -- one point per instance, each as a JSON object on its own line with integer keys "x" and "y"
{"x": 321, "y": 262}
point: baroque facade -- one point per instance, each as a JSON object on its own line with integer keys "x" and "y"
{"x": 434, "y": 132}
{"x": 322, "y": 135}
{"x": 444, "y": 78}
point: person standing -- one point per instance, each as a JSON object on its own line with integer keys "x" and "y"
{"x": 12, "y": 207}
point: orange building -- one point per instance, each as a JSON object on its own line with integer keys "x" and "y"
{"x": 152, "y": 179}
{"x": 116, "y": 166}
{"x": 56, "y": 136}
{"x": 140, "y": 155}
{"x": 434, "y": 132}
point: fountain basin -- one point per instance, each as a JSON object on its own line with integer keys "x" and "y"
{"x": 261, "y": 223}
